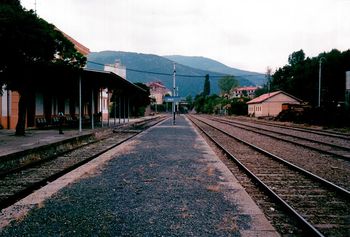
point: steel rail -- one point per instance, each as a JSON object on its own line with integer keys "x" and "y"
{"x": 31, "y": 188}
{"x": 335, "y": 187}
{"x": 310, "y": 130}
{"x": 293, "y": 142}
{"x": 282, "y": 133}
{"x": 308, "y": 227}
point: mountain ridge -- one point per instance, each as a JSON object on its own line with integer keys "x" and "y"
{"x": 201, "y": 62}
{"x": 189, "y": 80}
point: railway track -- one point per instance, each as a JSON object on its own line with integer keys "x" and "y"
{"x": 323, "y": 164}
{"x": 20, "y": 182}
{"x": 335, "y": 146}
{"x": 301, "y": 129}
{"x": 302, "y": 194}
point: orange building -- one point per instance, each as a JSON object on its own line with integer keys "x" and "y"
{"x": 82, "y": 101}
{"x": 158, "y": 91}
{"x": 9, "y": 109}
{"x": 9, "y": 100}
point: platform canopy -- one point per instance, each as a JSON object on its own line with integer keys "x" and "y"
{"x": 110, "y": 80}
{"x": 61, "y": 80}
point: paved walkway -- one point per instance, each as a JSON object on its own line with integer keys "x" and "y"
{"x": 9, "y": 143}
{"x": 164, "y": 182}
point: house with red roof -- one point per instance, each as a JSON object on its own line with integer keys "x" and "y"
{"x": 246, "y": 91}
{"x": 270, "y": 104}
{"x": 158, "y": 91}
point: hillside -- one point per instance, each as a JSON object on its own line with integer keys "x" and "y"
{"x": 215, "y": 66}
{"x": 192, "y": 85}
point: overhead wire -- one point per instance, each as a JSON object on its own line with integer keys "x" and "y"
{"x": 171, "y": 74}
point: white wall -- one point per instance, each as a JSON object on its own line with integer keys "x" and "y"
{"x": 4, "y": 103}
{"x": 271, "y": 106}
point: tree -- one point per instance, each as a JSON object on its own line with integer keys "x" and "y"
{"x": 268, "y": 78}
{"x": 198, "y": 103}
{"x": 260, "y": 91}
{"x": 296, "y": 57}
{"x": 301, "y": 79}
{"x": 226, "y": 83}
{"x": 206, "y": 89}
{"x": 29, "y": 45}
{"x": 189, "y": 101}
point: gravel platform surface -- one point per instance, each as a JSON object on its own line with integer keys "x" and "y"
{"x": 164, "y": 182}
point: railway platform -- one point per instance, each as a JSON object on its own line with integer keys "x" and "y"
{"x": 165, "y": 181}
{"x": 36, "y": 138}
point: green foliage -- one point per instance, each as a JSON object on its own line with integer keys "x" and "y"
{"x": 296, "y": 57}
{"x": 300, "y": 77}
{"x": 27, "y": 41}
{"x": 30, "y": 47}
{"x": 226, "y": 83}
{"x": 261, "y": 91}
{"x": 220, "y": 105}
{"x": 198, "y": 103}
{"x": 206, "y": 89}
{"x": 333, "y": 117}
{"x": 239, "y": 106}
{"x": 189, "y": 101}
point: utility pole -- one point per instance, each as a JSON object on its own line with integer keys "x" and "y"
{"x": 174, "y": 93}
{"x": 319, "y": 81}
{"x": 347, "y": 91}
{"x": 268, "y": 75}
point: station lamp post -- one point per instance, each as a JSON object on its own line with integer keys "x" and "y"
{"x": 174, "y": 93}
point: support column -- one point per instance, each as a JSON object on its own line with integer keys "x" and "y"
{"x": 124, "y": 109}
{"x": 8, "y": 109}
{"x": 108, "y": 108}
{"x": 128, "y": 108}
{"x": 120, "y": 108}
{"x": 115, "y": 108}
{"x": 101, "y": 102}
{"x": 174, "y": 94}
{"x": 80, "y": 109}
{"x": 92, "y": 109}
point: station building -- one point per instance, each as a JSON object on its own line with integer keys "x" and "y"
{"x": 270, "y": 104}
{"x": 81, "y": 96}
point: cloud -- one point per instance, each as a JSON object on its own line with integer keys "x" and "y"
{"x": 252, "y": 33}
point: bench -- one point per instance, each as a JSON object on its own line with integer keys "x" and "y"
{"x": 40, "y": 122}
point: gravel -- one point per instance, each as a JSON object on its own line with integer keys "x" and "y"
{"x": 163, "y": 191}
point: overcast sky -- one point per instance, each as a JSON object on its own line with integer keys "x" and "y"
{"x": 245, "y": 34}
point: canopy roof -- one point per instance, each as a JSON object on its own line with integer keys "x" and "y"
{"x": 110, "y": 80}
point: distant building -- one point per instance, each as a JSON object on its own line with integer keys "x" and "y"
{"x": 118, "y": 68}
{"x": 270, "y": 104}
{"x": 158, "y": 91}
{"x": 247, "y": 91}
